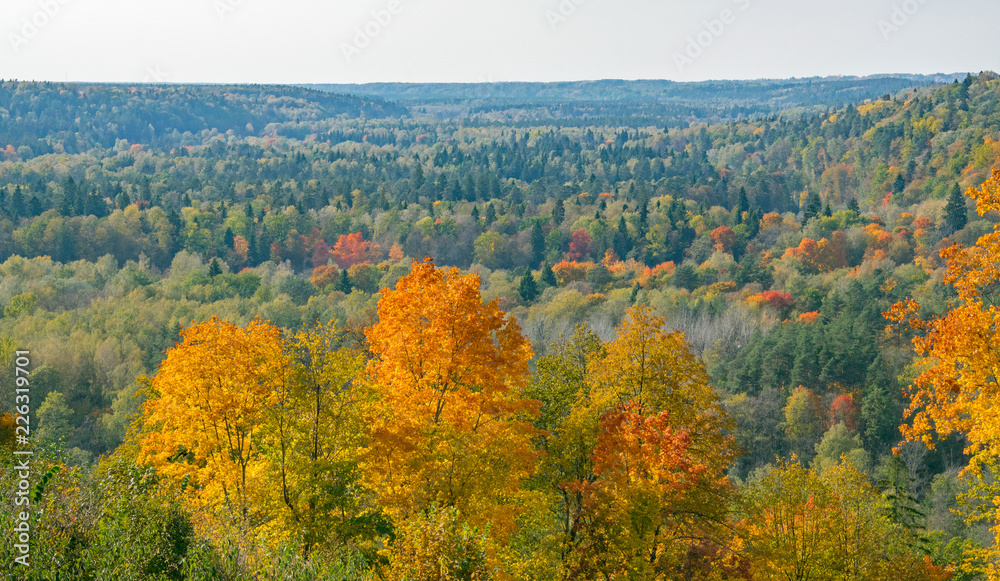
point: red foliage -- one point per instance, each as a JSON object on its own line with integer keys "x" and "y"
{"x": 843, "y": 410}
{"x": 777, "y": 299}
{"x": 579, "y": 247}
{"x": 321, "y": 254}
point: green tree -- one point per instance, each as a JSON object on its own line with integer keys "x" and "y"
{"x": 527, "y": 288}
{"x": 55, "y": 418}
{"x": 956, "y": 216}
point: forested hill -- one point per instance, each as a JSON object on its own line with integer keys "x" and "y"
{"x": 77, "y": 117}
{"x": 659, "y": 102}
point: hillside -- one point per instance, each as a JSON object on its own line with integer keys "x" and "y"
{"x": 773, "y": 241}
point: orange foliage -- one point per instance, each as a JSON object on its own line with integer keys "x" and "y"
{"x": 823, "y": 256}
{"x": 772, "y": 220}
{"x": 324, "y": 275}
{"x": 843, "y": 410}
{"x": 810, "y": 317}
{"x": 396, "y": 253}
{"x": 723, "y": 238}
{"x": 571, "y": 271}
{"x": 354, "y": 249}
{"x": 449, "y": 371}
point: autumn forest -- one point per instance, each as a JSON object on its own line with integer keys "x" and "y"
{"x": 567, "y": 332}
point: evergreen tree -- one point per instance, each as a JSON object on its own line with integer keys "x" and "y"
{"x": 214, "y": 268}
{"x": 955, "y": 213}
{"x": 537, "y": 244}
{"x": 853, "y": 206}
{"x": 344, "y": 284}
{"x": 475, "y": 215}
{"x": 743, "y": 206}
{"x": 813, "y": 208}
{"x": 491, "y": 214}
{"x": 528, "y": 289}
{"x": 558, "y": 213}
{"x": 548, "y": 277}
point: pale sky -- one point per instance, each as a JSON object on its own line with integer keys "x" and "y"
{"x": 324, "y": 41}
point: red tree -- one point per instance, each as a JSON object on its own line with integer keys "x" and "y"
{"x": 580, "y": 246}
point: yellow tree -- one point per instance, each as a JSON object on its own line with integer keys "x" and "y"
{"x": 207, "y": 404}
{"x": 658, "y": 451}
{"x": 802, "y": 523}
{"x": 449, "y": 372}
{"x": 313, "y": 436}
{"x": 959, "y": 359}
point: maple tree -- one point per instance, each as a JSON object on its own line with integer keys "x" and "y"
{"x": 579, "y": 246}
{"x": 448, "y": 371}
{"x": 959, "y": 355}
{"x": 353, "y": 249}
{"x": 655, "y": 440}
{"x": 207, "y": 407}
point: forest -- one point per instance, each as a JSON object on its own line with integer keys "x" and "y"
{"x": 428, "y": 333}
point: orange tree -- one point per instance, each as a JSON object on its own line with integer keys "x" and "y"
{"x": 959, "y": 360}
{"x": 448, "y": 371}
{"x": 647, "y": 441}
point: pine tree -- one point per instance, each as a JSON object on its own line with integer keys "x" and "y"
{"x": 491, "y": 214}
{"x": 955, "y": 213}
{"x": 853, "y": 206}
{"x": 214, "y": 268}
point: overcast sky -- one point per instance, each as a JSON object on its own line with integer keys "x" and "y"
{"x": 334, "y": 41}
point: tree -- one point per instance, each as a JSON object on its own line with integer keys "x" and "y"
{"x": 314, "y": 435}
{"x": 579, "y": 247}
{"x": 658, "y": 447}
{"x": 805, "y": 524}
{"x": 206, "y": 408}
{"x": 723, "y": 239}
{"x": 548, "y": 275}
{"x": 54, "y": 418}
{"x": 214, "y": 268}
{"x": 490, "y": 250}
{"x": 959, "y": 353}
{"x": 353, "y": 249}
{"x": 527, "y": 288}
{"x": 537, "y": 244}
{"x": 448, "y": 371}
{"x": 956, "y": 216}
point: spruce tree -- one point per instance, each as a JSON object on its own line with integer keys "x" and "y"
{"x": 214, "y": 268}
{"x": 344, "y": 284}
{"x": 955, "y": 213}
{"x": 528, "y": 288}
{"x": 537, "y": 244}
{"x": 548, "y": 277}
